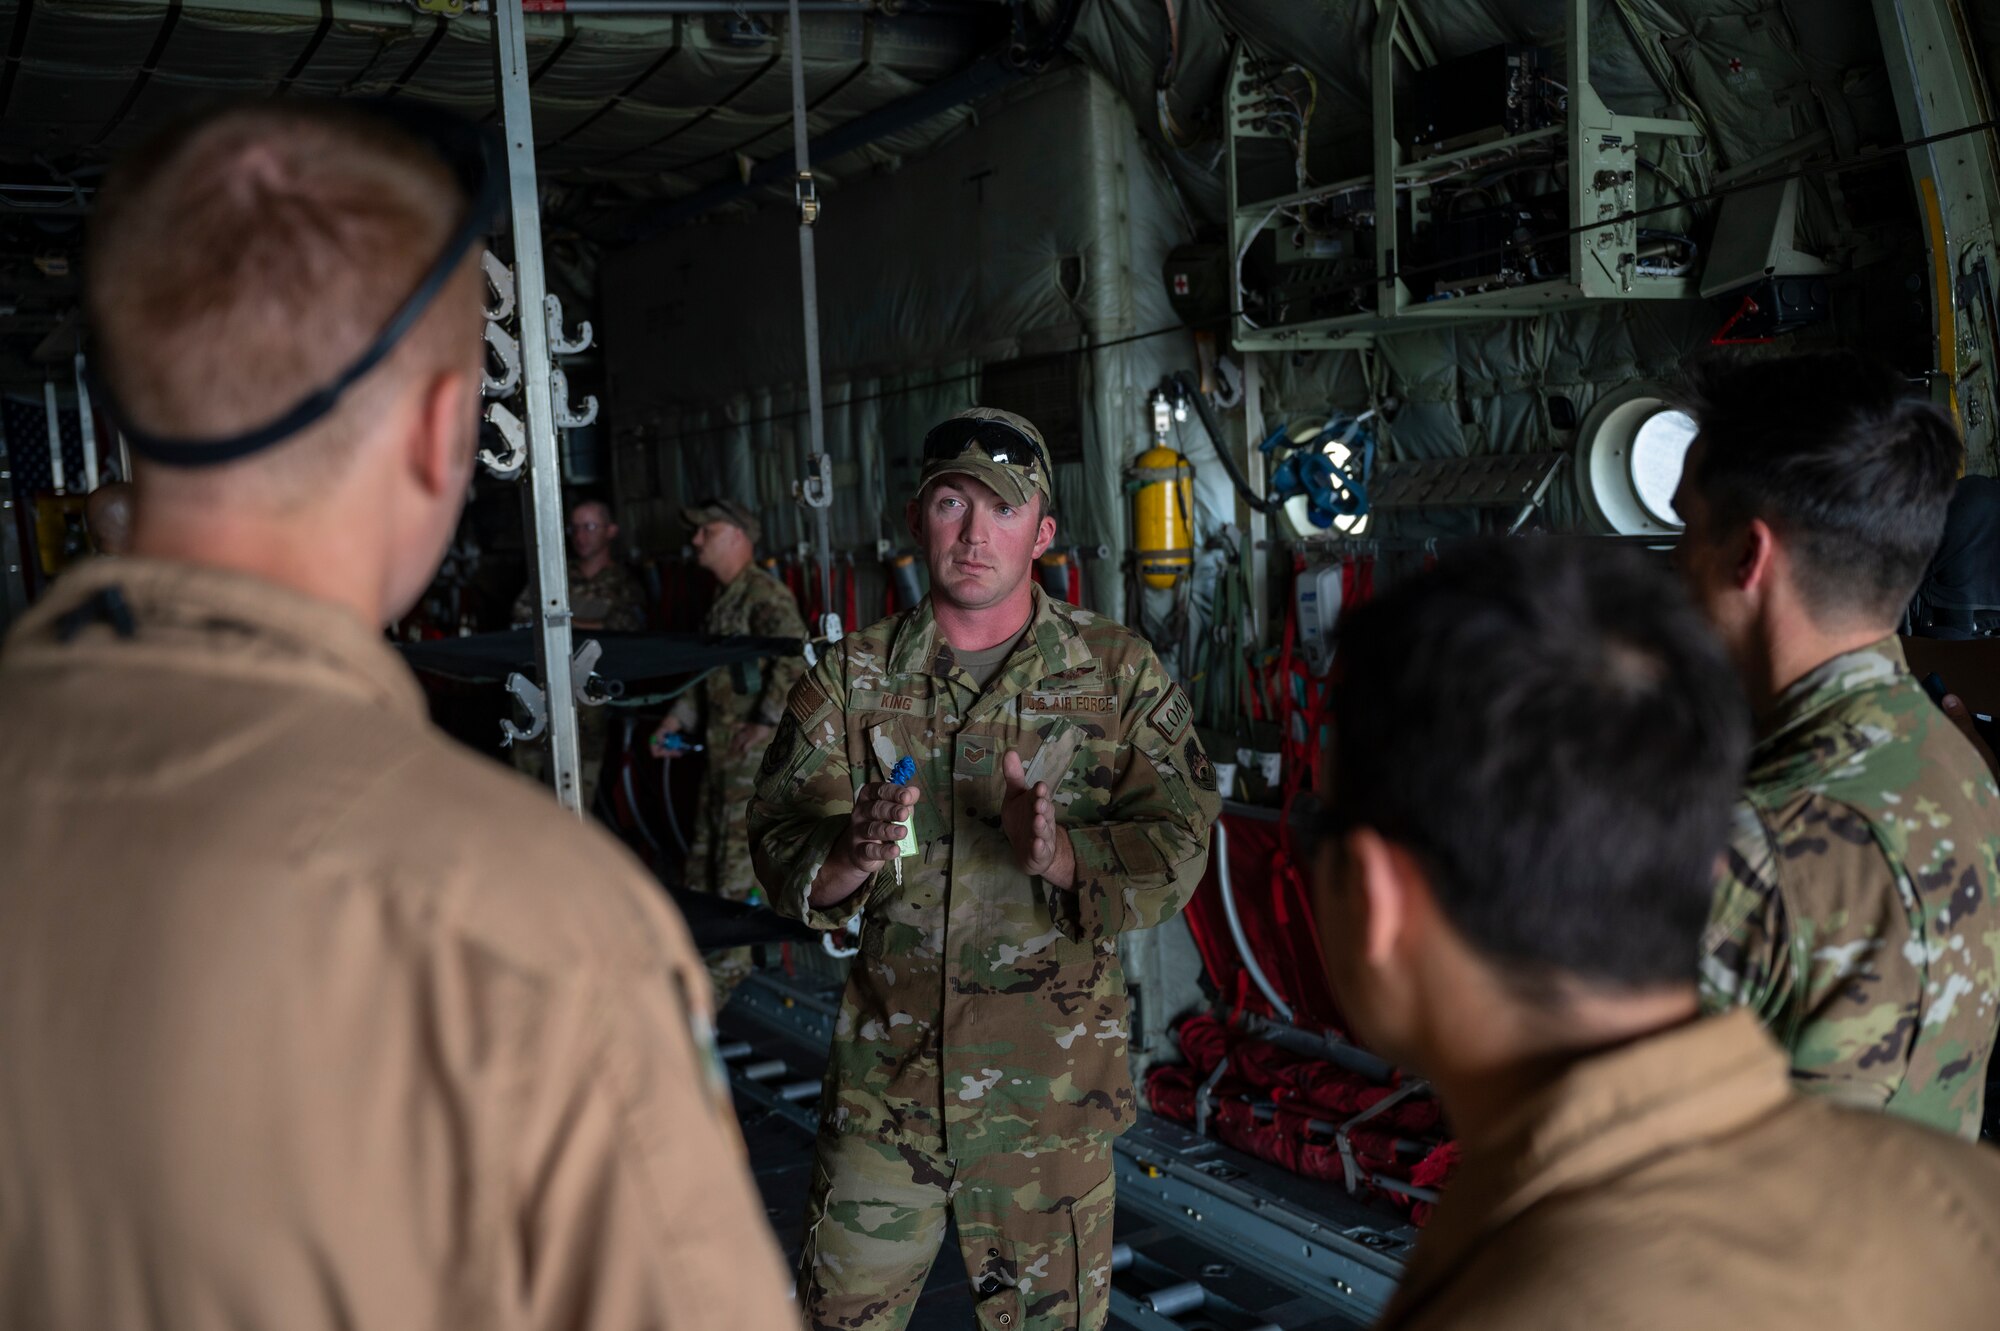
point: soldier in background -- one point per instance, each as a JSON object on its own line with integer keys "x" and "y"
{"x": 1056, "y": 795}
{"x": 736, "y": 710}
{"x": 1858, "y": 912}
{"x": 1536, "y": 747}
{"x": 603, "y": 594}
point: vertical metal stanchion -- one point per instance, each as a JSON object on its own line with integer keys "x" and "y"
{"x": 88, "y": 426}
{"x": 1257, "y": 554}
{"x": 552, "y": 614}
{"x": 55, "y": 437}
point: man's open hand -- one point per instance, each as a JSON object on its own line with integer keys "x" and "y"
{"x": 1029, "y": 818}
{"x": 868, "y": 842}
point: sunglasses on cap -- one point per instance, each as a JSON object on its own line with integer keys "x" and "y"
{"x": 1001, "y": 442}
{"x": 473, "y": 155}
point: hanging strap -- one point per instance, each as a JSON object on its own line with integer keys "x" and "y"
{"x": 817, "y": 488}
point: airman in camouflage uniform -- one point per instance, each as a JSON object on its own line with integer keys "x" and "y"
{"x": 1857, "y": 912}
{"x": 606, "y": 597}
{"x": 979, "y": 1058}
{"x": 736, "y": 709}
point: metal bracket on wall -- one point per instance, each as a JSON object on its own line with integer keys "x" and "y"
{"x": 568, "y": 417}
{"x": 499, "y": 285}
{"x": 530, "y": 696}
{"x": 592, "y": 689}
{"x": 508, "y": 465}
{"x": 816, "y": 490}
{"x": 508, "y": 352}
{"x": 558, "y": 344}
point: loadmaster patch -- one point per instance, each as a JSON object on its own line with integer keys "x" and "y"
{"x": 1171, "y": 717}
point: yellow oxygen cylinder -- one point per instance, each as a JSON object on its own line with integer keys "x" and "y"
{"x": 1163, "y": 516}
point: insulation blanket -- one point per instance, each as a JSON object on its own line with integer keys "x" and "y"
{"x": 1040, "y": 234}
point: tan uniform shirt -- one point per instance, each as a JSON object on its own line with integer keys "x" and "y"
{"x": 309, "y": 1018}
{"x": 1680, "y": 1182}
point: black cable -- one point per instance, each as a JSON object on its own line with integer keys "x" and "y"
{"x": 1258, "y": 503}
{"x": 1670, "y": 183}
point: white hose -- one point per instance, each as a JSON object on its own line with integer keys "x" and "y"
{"x": 1257, "y": 977}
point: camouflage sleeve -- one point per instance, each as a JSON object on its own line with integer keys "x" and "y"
{"x": 777, "y": 617}
{"x": 1820, "y": 952}
{"x": 1744, "y": 957}
{"x": 1140, "y": 862}
{"x": 626, "y": 611}
{"x": 804, "y": 796}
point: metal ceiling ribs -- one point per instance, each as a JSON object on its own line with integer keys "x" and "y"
{"x": 168, "y": 23}
{"x": 861, "y": 67}
{"x": 16, "y": 42}
{"x": 617, "y": 99}
{"x": 312, "y": 46}
{"x": 721, "y": 104}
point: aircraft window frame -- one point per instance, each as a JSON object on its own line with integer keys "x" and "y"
{"x": 1609, "y": 459}
{"x": 1666, "y": 428}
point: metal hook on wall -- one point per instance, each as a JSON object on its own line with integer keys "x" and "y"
{"x": 508, "y": 352}
{"x": 568, "y": 417}
{"x": 499, "y": 285}
{"x": 505, "y": 466}
{"x": 558, "y": 344}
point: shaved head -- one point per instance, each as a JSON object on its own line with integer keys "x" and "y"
{"x": 245, "y": 259}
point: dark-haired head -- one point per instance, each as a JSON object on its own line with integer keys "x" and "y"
{"x": 1816, "y": 489}
{"x": 1536, "y": 747}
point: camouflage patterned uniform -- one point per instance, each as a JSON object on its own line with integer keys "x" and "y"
{"x": 979, "y": 1059}
{"x": 758, "y": 605}
{"x": 613, "y": 599}
{"x": 1857, "y": 910}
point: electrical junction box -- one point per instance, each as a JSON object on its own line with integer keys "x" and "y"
{"x": 1317, "y": 610}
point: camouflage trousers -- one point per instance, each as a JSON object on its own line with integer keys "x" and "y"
{"x": 1035, "y": 1232}
{"x": 719, "y": 854}
{"x": 593, "y": 740}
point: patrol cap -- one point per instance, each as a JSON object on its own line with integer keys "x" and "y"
{"x": 1003, "y": 451}
{"x": 723, "y": 510}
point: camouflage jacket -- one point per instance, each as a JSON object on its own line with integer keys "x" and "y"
{"x": 1857, "y": 910}
{"x": 612, "y": 599}
{"x": 987, "y": 1010}
{"x": 755, "y": 605}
